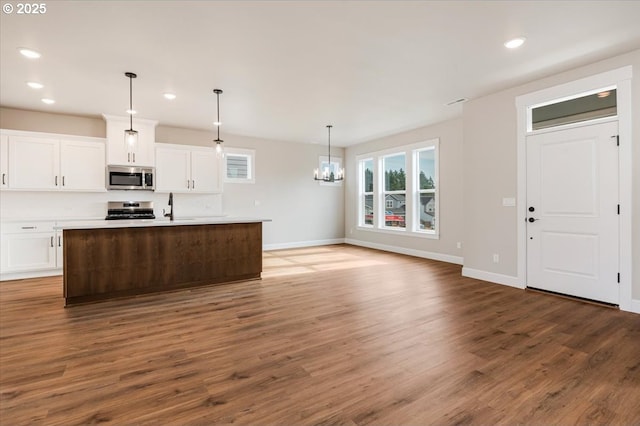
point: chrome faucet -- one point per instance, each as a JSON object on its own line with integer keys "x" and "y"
{"x": 170, "y": 214}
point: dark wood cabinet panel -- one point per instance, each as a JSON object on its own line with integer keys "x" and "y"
{"x": 116, "y": 262}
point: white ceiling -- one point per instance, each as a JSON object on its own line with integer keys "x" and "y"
{"x": 288, "y": 68}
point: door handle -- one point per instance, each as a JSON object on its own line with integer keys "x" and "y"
{"x": 59, "y": 241}
{"x": 531, "y": 219}
{"x": 52, "y": 241}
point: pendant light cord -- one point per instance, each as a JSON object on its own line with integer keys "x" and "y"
{"x": 329, "y": 127}
{"x": 218, "y": 110}
{"x": 130, "y": 102}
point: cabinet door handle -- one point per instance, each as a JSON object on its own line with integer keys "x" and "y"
{"x": 188, "y": 184}
{"x": 59, "y": 241}
{"x": 3, "y": 181}
{"x": 52, "y": 241}
{"x": 62, "y": 180}
{"x": 56, "y": 181}
{"x": 193, "y": 184}
{"x": 128, "y": 157}
{"x": 134, "y": 157}
{"x": 28, "y": 227}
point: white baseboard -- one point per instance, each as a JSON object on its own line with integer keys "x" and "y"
{"x": 29, "y": 274}
{"x": 411, "y": 252}
{"x": 302, "y": 244}
{"x": 634, "y": 307}
{"x": 492, "y": 277}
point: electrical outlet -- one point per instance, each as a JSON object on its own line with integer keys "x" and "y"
{"x": 351, "y": 230}
{"x": 256, "y": 203}
{"x": 496, "y": 258}
{"x": 459, "y": 244}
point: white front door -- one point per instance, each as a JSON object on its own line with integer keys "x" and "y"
{"x": 572, "y": 212}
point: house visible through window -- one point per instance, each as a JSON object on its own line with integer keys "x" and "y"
{"x": 239, "y": 165}
{"x": 398, "y": 190}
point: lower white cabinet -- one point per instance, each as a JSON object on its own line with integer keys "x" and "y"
{"x": 29, "y": 246}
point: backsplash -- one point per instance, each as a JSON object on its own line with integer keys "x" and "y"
{"x": 81, "y": 205}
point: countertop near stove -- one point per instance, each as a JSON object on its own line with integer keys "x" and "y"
{"x": 133, "y": 223}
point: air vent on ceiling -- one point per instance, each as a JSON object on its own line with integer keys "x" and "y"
{"x": 457, "y": 101}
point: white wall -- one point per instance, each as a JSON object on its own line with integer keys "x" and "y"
{"x": 490, "y": 139}
{"x": 451, "y": 205}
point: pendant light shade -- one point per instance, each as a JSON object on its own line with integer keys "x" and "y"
{"x": 327, "y": 174}
{"x": 217, "y": 123}
{"x": 130, "y": 135}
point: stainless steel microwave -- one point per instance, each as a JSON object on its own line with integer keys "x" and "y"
{"x": 124, "y": 177}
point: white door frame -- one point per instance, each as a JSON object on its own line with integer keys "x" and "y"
{"x": 621, "y": 79}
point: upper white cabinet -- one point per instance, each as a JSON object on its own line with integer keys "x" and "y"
{"x": 121, "y": 153}
{"x": 4, "y": 161}
{"x": 187, "y": 169}
{"x": 34, "y": 163}
{"x": 46, "y": 162}
{"x": 82, "y": 165}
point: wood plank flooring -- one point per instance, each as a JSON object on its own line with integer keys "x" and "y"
{"x": 331, "y": 335}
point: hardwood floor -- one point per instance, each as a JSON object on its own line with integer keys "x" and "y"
{"x": 331, "y": 335}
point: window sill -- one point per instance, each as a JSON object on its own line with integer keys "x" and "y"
{"x": 400, "y": 232}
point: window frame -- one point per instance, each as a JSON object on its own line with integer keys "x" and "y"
{"x": 384, "y": 192}
{"x": 412, "y": 190}
{"x": 250, "y": 154}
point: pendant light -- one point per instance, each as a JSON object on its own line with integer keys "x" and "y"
{"x": 217, "y": 123}
{"x": 130, "y": 135}
{"x": 327, "y": 174}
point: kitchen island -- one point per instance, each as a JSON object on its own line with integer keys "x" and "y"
{"x": 113, "y": 259}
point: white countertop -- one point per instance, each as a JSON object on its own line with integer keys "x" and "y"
{"x": 95, "y": 224}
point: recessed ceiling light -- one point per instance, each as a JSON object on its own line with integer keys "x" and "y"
{"x": 31, "y": 54}
{"x": 170, "y": 96}
{"x": 35, "y": 85}
{"x": 515, "y": 43}
{"x": 132, "y": 111}
{"x": 48, "y": 101}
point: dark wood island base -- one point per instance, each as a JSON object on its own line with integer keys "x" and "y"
{"x": 107, "y": 263}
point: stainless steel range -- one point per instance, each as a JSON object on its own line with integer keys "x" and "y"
{"x": 130, "y": 210}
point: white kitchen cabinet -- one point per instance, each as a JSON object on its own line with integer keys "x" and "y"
{"x": 34, "y": 163}
{"x": 4, "y": 161}
{"x": 27, "y": 247}
{"x": 187, "y": 169}
{"x": 58, "y": 242}
{"x": 120, "y": 153}
{"x": 45, "y": 162}
{"x": 82, "y": 166}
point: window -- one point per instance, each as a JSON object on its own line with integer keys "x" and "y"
{"x": 426, "y": 192}
{"x": 395, "y": 185}
{"x": 239, "y": 165}
{"x": 601, "y": 104}
{"x": 366, "y": 191}
{"x": 398, "y": 190}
